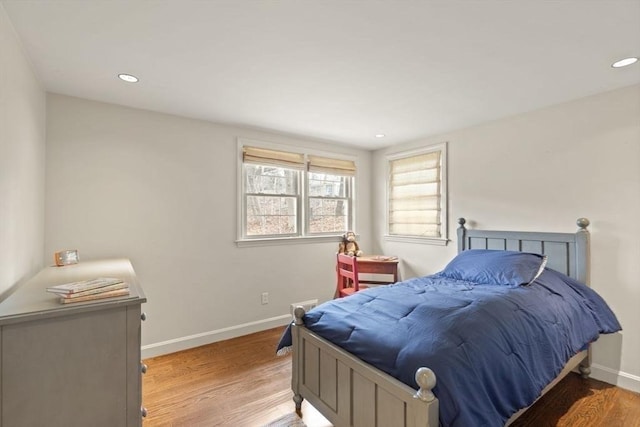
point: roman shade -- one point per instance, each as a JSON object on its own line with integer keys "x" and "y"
{"x": 331, "y": 166}
{"x": 264, "y": 156}
{"x": 415, "y": 195}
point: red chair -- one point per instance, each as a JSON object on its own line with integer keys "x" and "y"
{"x": 347, "y": 269}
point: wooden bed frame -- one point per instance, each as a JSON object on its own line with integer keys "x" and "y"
{"x": 349, "y": 392}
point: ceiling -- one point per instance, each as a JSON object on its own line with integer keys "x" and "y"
{"x": 338, "y": 70}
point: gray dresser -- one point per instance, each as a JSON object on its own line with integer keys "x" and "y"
{"x": 73, "y": 364}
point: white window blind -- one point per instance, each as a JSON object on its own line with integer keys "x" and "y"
{"x": 415, "y": 195}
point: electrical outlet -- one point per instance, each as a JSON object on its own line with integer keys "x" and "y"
{"x": 307, "y": 305}
{"x": 265, "y": 298}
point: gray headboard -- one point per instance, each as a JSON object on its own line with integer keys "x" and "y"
{"x": 567, "y": 253}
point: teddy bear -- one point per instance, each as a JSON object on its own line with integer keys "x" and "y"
{"x": 349, "y": 245}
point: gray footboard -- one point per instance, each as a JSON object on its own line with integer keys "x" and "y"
{"x": 349, "y": 392}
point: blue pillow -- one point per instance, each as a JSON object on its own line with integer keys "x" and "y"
{"x": 492, "y": 267}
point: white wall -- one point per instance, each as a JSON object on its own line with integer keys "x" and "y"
{"x": 161, "y": 190}
{"x": 540, "y": 172}
{"x": 22, "y": 152}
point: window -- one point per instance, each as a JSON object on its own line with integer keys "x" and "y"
{"x": 272, "y": 200}
{"x": 417, "y": 199}
{"x": 329, "y": 189}
{"x": 287, "y": 195}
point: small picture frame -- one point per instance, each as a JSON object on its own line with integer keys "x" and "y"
{"x": 66, "y": 257}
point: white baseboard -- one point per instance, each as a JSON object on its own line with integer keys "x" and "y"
{"x": 611, "y": 376}
{"x": 184, "y": 343}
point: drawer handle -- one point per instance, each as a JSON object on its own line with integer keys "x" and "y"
{"x": 143, "y": 412}
{"x": 143, "y": 316}
{"x": 143, "y": 368}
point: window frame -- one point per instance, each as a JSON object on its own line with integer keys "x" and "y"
{"x": 443, "y": 239}
{"x": 349, "y": 184}
{"x": 302, "y": 217}
{"x": 297, "y": 196}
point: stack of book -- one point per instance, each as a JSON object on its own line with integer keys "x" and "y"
{"x": 87, "y": 290}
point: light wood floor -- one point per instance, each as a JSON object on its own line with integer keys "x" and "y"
{"x": 241, "y": 382}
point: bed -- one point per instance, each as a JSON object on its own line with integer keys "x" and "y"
{"x": 349, "y": 391}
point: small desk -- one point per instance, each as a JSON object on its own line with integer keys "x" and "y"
{"x": 378, "y": 264}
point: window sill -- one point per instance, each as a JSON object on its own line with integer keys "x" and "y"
{"x": 274, "y": 241}
{"x": 436, "y": 241}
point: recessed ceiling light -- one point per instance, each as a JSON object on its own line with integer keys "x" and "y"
{"x": 128, "y": 78}
{"x": 624, "y": 62}
{"x": 380, "y": 135}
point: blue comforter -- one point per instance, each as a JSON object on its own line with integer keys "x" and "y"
{"x": 493, "y": 348}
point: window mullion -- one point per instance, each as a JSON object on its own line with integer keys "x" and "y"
{"x": 302, "y": 204}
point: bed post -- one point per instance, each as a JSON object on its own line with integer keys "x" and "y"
{"x": 298, "y": 313}
{"x": 426, "y": 380}
{"x": 461, "y": 235}
{"x": 582, "y": 251}
{"x": 583, "y": 275}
